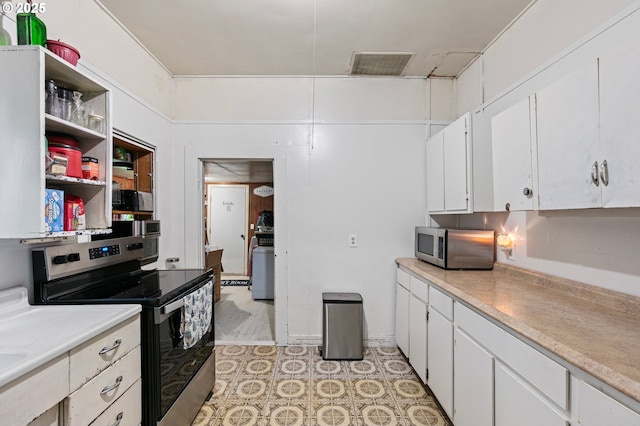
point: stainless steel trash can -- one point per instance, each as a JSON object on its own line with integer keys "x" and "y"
{"x": 342, "y": 323}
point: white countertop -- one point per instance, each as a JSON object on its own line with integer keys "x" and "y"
{"x": 30, "y": 336}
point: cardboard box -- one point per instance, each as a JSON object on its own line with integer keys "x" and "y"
{"x": 213, "y": 260}
{"x": 53, "y": 210}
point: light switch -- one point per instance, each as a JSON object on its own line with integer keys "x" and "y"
{"x": 353, "y": 240}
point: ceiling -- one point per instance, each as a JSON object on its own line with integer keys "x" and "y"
{"x": 238, "y": 171}
{"x": 312, "y": 37}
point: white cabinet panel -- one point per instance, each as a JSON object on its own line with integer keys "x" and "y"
{"x": 619, "y": 123}
{"x": 435, "y": 173}
{"x": 516, "y": 404}
{"x": 34, "y": 393}
{"x": 512, "y": 138}
{"x": 441, "y": 302}
{"x": 449, "y": 168}
{"x": 83, "y": 405}
{"x": 420, "y": 289}
{"x": 403, "y": 278}
{"x": 90, "y": 358}
{"x": 418, "y": 336}
{"x": 456, "y": 163}
{"x": 472, "y": 383}
{"x": 49, "y": 418}
{"x": 402, "y": 318}
{"x": 440, "y": 360}
{"x": 125, "y": 411}
{"x": 597, "y": 409}
{"x": 567, "y": 140}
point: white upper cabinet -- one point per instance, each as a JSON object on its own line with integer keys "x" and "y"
{"x": 449, "y": 169}
{"x": 567, "y": 141}
{"x": 620, "y": 125}
{"x": 23, "y": 125}
{"x": 512, "y": 134}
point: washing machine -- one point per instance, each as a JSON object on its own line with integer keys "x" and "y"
{"x": 262, "y": 273}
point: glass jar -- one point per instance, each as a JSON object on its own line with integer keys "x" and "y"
{"x": 30, "y": 29}
{"x": 51, "y": 101}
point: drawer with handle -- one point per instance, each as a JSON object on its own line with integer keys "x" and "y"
{"x": 92, "y": 357}
{"x": 126, "y": 411}
{"x": 86, "y": 403}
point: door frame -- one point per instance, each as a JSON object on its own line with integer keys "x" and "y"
{"x": 280, "y": 278}
{"x": 245, "y": 224}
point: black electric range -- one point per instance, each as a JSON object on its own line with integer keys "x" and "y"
{"x": 175, "y": 380}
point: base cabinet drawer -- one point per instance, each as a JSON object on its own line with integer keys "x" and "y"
{"x": 516, "y": 404}
{"x": 92, "y": 357}
{"x": 85, "y": 404}
{"x": 597, "y": 409}
{"x": 125, "y": 411}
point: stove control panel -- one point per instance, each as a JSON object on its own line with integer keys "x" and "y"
{"x": 104, "y": 251}
{"x": 64, "y": 260}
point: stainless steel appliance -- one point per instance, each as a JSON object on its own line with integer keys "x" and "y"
{"x": 147, "y": 229}
{"x": 455, "y": 248}
{"x": 136, "y": 201}
{"x": 176, "y": 380}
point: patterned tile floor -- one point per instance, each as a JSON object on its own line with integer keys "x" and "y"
{"x": 294, "y": 386}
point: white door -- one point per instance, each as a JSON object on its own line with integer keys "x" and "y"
{"x": 568, "y": 145}
{"x": 227, "y": 222}
{"x": 418, "y": 336}
{"x": 435, "y": 173}
{"x": 512, "y": 168}
{"x": 456, "y": 185}
{"x": 440, "y": 356}
{"x": 402, "y": 319}
{"x": 619, "y": 124}
{"x": 472, "y": 383}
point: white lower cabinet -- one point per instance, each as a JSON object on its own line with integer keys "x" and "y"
{"x": 517, "y": 404}
{"x": 49, "y": 418}
{"x": 402, "y": 318}
{"x": 472, "y": 383}
{"x": 90, "y": 400}
{"x": 594, "y": 408}
{"x": 35, "y": 393}
{"x": 125, "y": 411}
{"x": 418, "y": 327}
{"x": 440, "y": 349}
{"x": 103, "y": 370}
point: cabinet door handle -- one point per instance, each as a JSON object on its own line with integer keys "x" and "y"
{"x": 108, "y": 389}
{"x": 594, "y": 174}
{"x": 527, "y": 192}
{"x": 604, "y": 173}
{"x": 118, "y": 418}
{"x": 106, "y": 349}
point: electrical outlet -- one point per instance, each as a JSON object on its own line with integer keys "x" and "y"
{"x": 353, "y": 240}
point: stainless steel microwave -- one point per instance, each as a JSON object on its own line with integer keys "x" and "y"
{"x": 455, "y": 248}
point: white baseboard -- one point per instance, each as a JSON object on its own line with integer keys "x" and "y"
{"x": 370, "y": 342}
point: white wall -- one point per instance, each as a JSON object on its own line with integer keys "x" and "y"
{"x": 141, "y": 97}
{"x": 592, "y": 246}
{"x": 350, "y": 162}
{"x": 104, "y": 44}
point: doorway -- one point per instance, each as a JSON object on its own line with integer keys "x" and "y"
{"x": 236, "y": 192}
{"x": 227, "y": 221}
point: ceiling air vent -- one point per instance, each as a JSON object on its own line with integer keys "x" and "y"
{"x": 379, "y": 63}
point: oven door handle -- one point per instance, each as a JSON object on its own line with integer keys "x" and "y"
{"x": 173, "y": 306}
{"x": 163, "y": 312}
